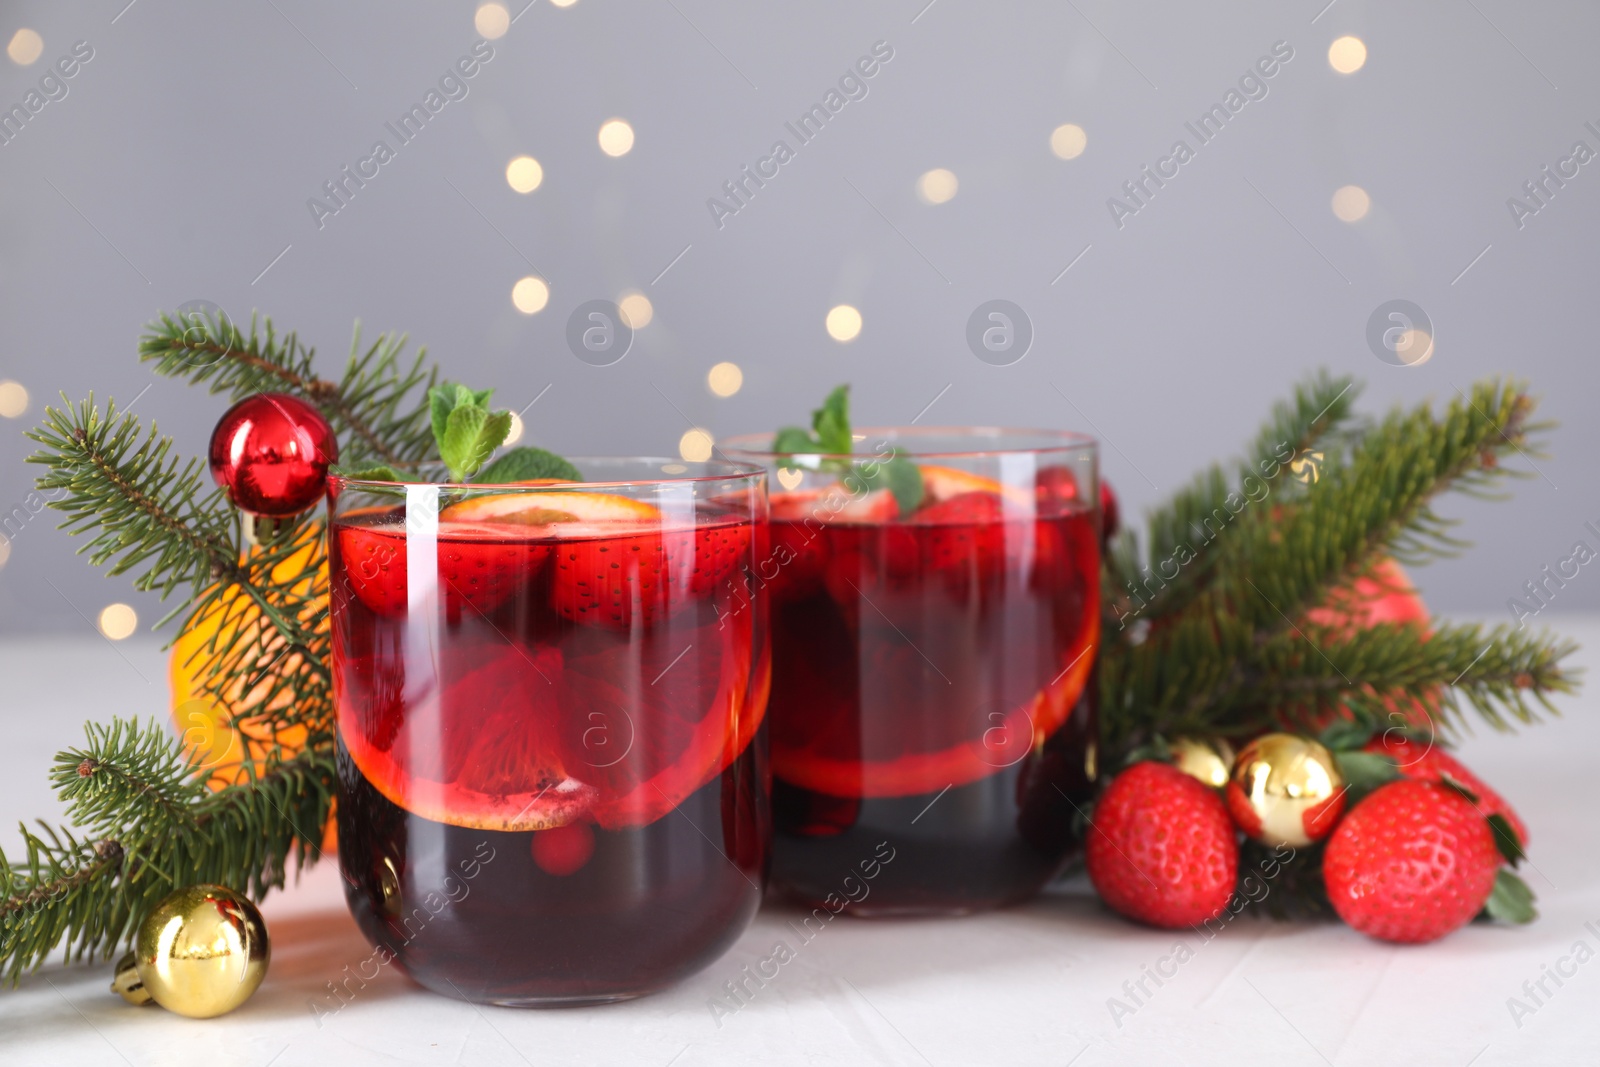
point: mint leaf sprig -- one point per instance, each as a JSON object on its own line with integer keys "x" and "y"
{"x": 466, "y": 430}
{"x": 830, "y": 441}
{"x": 467, "y": 433}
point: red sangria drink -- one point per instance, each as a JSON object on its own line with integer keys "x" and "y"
{"x": 933, "y": 666}
{"x": 553, "y": 779}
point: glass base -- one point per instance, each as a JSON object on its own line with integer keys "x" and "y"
{"x": 568, "y": 1002}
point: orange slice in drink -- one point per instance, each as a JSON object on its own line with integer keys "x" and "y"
{"x": 530, "y": 742}
{"x": 943, "y": 483}
{"x": 1005, "y": 742}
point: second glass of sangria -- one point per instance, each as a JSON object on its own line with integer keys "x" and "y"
{"x": 934, "y": 636}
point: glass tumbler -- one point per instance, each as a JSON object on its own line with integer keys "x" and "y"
{"x": 933, "y": 698}
{"x": 553, "y": 781}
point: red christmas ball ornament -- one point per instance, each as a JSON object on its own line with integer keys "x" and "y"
{"x": 271, "y": 452}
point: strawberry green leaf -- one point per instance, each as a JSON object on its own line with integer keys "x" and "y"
{"x": 1346, "y": 734}
{"x": 1460, "y": 787}
{"x": 1365, "y": 771}
{"x": 1511, "y": 901}
{"x": 528, "y": 464}
{"x": 1506, "y": 839}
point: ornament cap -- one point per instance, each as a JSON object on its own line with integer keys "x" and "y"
{"x": 127, "y": 984}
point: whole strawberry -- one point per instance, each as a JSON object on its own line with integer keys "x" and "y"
{"x": 1410, "y": 863}
{"x": 1428, "y": 763}
{"x": 1162, "y": 849}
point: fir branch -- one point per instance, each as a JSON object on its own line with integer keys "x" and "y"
{"x": 161, "y": 829}
{"x": 1203, "y": 666}
{"x": 144, "y": 511}
{"x": 1503, "y": 673}
{"x": 375, "y": 407}
{"x": 143, "y": 507}
{"x": 61, "y": 894}
{"x": 1185, "y": 534}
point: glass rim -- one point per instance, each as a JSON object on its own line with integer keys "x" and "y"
{"x": 754, "y": 444}
{"x": 730, "y": 471}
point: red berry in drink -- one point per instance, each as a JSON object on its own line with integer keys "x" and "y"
{"x": 563, "y": 850}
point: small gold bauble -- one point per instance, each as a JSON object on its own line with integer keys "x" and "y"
{"x": 1285, "y": 790}
{"x": 127, "y": 984}
{"x": 1210, "y": 761}
{"x": 202, "y": 951}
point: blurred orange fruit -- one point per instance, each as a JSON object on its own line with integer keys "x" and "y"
{"x": 231, "y": 736}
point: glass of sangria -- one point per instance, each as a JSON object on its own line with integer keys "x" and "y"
{"x": 553, "y": 780}
{"x": 933, "y": 694}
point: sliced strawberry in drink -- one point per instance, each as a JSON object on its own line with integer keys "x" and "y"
{"x": 479, "y": 565}
{"x": 613, "y": 561}
{"x": 966, "y": 532}
{"x": 627, "y": 578}
{"x": 610, "y": 581}
{"x": 481, "y": 573}
{"x": 795, "y": 505}
{"x": 794, "y": 564}
{"x": 373, "y": 566}
{"x": 719, "y": 549}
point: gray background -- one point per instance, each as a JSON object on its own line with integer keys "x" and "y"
{"x": 179, "y": 165}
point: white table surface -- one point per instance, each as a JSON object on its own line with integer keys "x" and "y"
{"x": 1028, "y": 985}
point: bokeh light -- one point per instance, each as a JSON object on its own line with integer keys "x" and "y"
{"x": 530, "y": 295}
{"x": 937, "y": 186}
{"x": 724, "y": 379}
{"x": 1351, "y": 203}
{"x": 118, "y": 621}
{"x": 492, "y": 20}
{"x": 616, "y": 137}
{"x": 1068, "y": 141}
{"x": 1414, "y": 347}
{"x": 13, "y": 399}
{"x": 844, "y": 323}
{"x": 636, "y": 310}
{"x": 25, "y": 47}
{"x": 695, "y": 445}
{"x": 1347, "y": 55}
{"x": 524, "y": 174}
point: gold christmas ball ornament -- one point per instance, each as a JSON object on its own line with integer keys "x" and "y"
{"x": 202, "y": 951}
{"x": 1210, "y": 761}
{"x": 1285, "y": 790}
